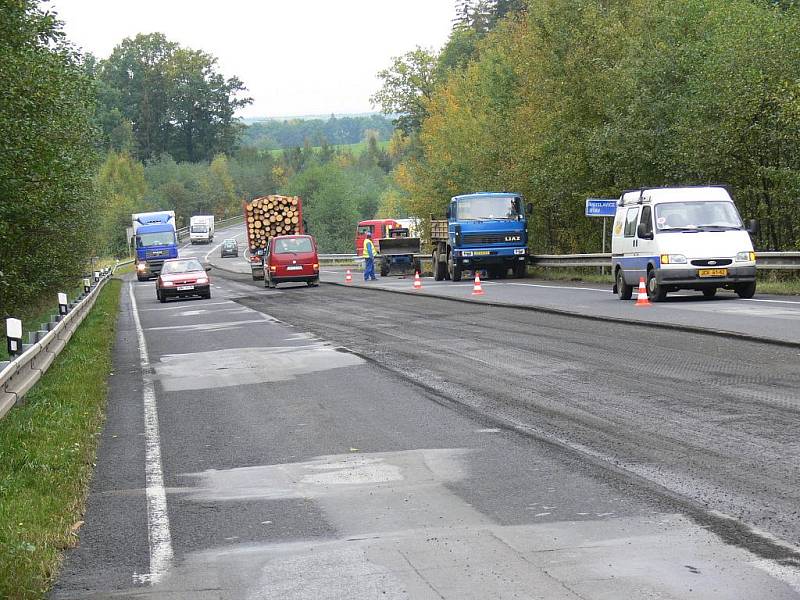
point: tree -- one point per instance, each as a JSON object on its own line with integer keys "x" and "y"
{"x": 174, "y": 98}
{"x": 122, "y": 186}
{"x": 47, "y": 157}
{"x": 407, "y": 88}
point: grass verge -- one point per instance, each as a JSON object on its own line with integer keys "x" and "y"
{"x": 47, "y": 451}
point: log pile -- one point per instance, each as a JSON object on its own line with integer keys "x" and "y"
{"x": 267, "y": 216}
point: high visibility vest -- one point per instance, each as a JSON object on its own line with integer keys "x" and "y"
{"x": 365, "y": 252}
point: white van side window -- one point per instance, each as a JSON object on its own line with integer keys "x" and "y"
{"x": 647, "y": 219}
{"x": 630, "y": 221}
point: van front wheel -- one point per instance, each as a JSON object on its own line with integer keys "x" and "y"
{"x": 746, "y": 290}
{"x": 655, "y": 291}
{"x": 624, "y": 291}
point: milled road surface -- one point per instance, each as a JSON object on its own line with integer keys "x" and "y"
{"x": 371, "y": 445}
{"x": 711, "y": 420}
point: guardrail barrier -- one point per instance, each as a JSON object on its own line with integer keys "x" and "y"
{"x": 34, "y": 358}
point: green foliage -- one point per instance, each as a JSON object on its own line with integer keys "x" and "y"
{"x": 407, "y": 88}
{"x": 173, "y": 99}
{"x": 47, "y": 158}
{"x": 571, "y": 99}
{"x": 122, "y": 186}
{"x": 268, "y": 135}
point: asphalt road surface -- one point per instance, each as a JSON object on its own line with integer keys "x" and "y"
{"x": 340, "y": 442}
{"x": 765, "y": 316}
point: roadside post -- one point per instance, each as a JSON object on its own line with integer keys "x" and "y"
{"x": 63, "y": 304}
{"x": 605, "y": 208}
{"x": 14, "y": 336}
{"x": 87, "y": 285}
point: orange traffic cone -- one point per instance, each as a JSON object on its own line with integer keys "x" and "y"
{"x": 641, "y": 297}
{"x": 348, "y": 278}
{"x": 477, "y": 289}
{"x": 417, "y": 281}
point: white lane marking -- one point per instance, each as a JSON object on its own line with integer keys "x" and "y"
{"x": 765, "y": 300}
{"x": 208, "y": 326}
{"x": 183, "y": 306}
{"x": 557, "y": 287}
{"x": 158, "y": 531}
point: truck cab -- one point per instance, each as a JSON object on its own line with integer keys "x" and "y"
{"x": 155, "y": 242}
{"x": 483, "y": 231}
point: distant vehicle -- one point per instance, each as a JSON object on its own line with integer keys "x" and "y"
{"x": 379, "y": 228}
{"x": 485, "y": 230}
{"x": 181, "y": 278}
{"x": 400, "y": 253}
{"x": 155, "y": 241}
{"x": 201, "y": 229}
{"x": 266, "y": 217}
{"x": 682, "y": 238}
{"x": 291, "y": 258}
{"x": 229, "y": 248}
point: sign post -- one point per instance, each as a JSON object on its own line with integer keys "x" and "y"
{"x": 600, "y": 207}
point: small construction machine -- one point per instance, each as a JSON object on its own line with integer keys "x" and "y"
{"x": 400, "y": 254}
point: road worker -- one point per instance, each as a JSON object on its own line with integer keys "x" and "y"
{"x": 369, "y": 258}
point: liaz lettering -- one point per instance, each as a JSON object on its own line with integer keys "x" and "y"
{"x": 513, "y": 238}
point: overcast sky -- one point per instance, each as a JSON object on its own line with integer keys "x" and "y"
{"x": 296, "y": 57}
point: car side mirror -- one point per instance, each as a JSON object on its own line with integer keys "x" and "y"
{"x": 753, "y": 227}
{"x": 208, "y": 268}
{"x": 643, "y": 232}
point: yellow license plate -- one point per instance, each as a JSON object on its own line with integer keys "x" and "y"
{"x": 481, "y": 253}
{"x": 712, "y": 273}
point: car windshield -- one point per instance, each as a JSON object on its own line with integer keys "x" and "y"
{"x": 704, "y": 215}
{"x": 230, "y": 243}
{"x": 181, "y": 266}
{"x": 487, "y": 207}
{"x": 364, "y": 229}
{"x": 162, "y": 238}
{"x": 291, "y": 245}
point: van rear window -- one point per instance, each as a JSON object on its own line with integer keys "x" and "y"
{"x": 293, "y": 245}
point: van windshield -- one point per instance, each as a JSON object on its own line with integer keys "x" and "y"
{"x": 697, "y": 216}
{"x": 292, "y": 245}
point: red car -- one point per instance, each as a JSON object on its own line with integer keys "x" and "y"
{"x": 183, "y": 277}
{"x": 291, "y": 258}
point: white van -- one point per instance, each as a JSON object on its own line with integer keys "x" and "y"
{"x": 682, "y": 238}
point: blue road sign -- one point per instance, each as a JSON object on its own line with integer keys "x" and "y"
{"x": 598, "y": 207}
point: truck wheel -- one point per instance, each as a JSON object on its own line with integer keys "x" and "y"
{"x": 520, "y": 269}
{"x": 624, "y": 291}
{"x": 655, "y": 291}
{"x": 454, "y": 269}
{"x": 439, "y": 268}
{"x": 384, "y": 267}
{"x": 746, "y": 290}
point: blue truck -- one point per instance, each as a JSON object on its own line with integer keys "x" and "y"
{"x": 155, "y": 241}
{"x": 483, "y": 231}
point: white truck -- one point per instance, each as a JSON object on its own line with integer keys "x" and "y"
{"x": 201, "y": 229}
{"x": 682, "y": 238}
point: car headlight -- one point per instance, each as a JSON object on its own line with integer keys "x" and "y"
{"x": 746, "y": 257}
{"x": 202, "y": 280}
{"x": 167, "y": 284}
{"x": 140, "y": 266}
{"x": 673, "y": 259}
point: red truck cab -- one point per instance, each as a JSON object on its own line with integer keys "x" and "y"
{"x": 379, "y": 228}
{"x": 291, "y": 258}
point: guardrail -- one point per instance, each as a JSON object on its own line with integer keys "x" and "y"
{"x": 18, "y": 376}
{"x": 789, "y": 261}
{"x": 183, "y": 232}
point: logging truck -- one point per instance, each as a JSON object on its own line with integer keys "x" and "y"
{"x": 266, "y": 217}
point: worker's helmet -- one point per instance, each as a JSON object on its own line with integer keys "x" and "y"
{"x": 369, "y": 234}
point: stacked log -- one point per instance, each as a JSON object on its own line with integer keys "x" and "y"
{"x": 268, "y": 216}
